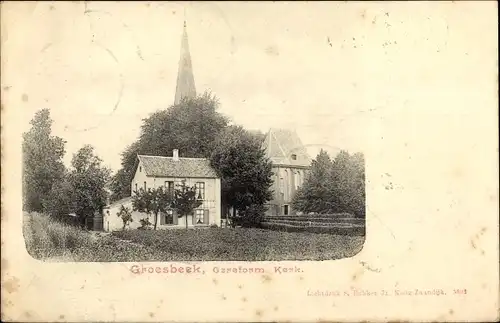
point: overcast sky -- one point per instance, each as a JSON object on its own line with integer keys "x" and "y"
{"x": 334, "y": 71}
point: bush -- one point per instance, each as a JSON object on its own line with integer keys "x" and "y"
{"x": 251, "y": 217}
{"x": 145, "y": 224}
{"x": 48, "y": 239}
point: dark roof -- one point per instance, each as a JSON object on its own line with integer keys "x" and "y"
{"x": 281, "y": 144}
{"x": 159, "y": 166}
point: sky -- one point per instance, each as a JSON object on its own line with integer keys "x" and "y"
{"x": 339, "y": 73}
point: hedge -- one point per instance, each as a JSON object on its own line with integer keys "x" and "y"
{"x": 353, "y": 230}
{"x": 313, "y": 219}
{"x": 326, "y": 215}
{"x": 316, "y": 224}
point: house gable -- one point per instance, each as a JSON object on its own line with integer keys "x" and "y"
{"x": 140, "y": 177}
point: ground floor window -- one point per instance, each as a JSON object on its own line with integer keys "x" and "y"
{"x": 169, "y": 186}
{"x": 167, "y": 217}
{"x": 199, "y": 216}
{"x": 285, "y": 209}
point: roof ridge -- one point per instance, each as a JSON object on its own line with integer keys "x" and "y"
{"x": 195, "y": 158}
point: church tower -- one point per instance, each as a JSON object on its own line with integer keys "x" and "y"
{"x": 185, "y": 78}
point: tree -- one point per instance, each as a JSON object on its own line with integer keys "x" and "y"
{"x": 245, "y": 172}
{"x": 42, "y": 161}
{"x": 190, "y": 126}
{"x": 59, "y": 202}
{"x": 152, "y": 201}
{"x": 185, "y": 201}
{"x": 348, "y": 189}
{"x": 334, "y": 186}
{"x": 126, "y": 215}
{"x": 315, "y": 194}
{"x": 88, "y": 178}
{"x": 120, "y": 185}
{"x": 259, "y": 135}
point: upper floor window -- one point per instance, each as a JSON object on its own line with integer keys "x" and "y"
{"x": 140, "y": 169}
{"x": 294, "y": 157}
{"x": 200, "y": 190}
{"x": 145, "y": 186}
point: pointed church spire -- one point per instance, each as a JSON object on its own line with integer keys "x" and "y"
{"x": 185, "y": 78}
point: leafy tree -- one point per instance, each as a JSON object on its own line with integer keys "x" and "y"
{"x": 88, "y": 178}
{"x": 152, "y": 201}
{"x": 190, "y": 126}
{"x": 314, "y": 194}
{"x": 259, "y": 135}
{"x": 126, "y": 215}
{"x": 42, "y": 161}
{"x": 59, "y": 202}
{"x": 333, "y": 186}
{"x": 185, "y": 201}
{"x": 245, "y": 172}
{"x": 348, "y": 189}
{"x": 120, "y": 185}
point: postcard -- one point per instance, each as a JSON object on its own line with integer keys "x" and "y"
{"x": 249, "y": 161}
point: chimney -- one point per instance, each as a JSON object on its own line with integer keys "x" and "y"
{"x": 175, "y": 155}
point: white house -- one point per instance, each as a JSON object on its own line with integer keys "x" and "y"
{"x": 168, "y": 172}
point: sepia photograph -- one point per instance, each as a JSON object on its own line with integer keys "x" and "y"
{"x": 187, "y": 176}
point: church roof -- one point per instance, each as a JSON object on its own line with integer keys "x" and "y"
{"x": 160, "y": 166}
{"x": 185, "y": 78}
{"x": 284, "y": 147}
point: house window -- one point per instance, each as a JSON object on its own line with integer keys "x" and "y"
{"x": 140, "y": 169}
{"x": 167, "y": 217}
{"x": 136, "y": 187}
{"x": 294, "y": 157}
{"x": 285, "y": 209}
{"x": 169, "y": 186}
{"x": 199, "y": 216}
{"x": 200, "y": 190}
{"x": 144, "y": 185}
{"x": 286, "y": 183}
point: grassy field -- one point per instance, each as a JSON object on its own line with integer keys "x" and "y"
{"x": 50, "y": 240}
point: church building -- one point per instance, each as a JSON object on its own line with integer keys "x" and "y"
{"x": 290, "y": 163}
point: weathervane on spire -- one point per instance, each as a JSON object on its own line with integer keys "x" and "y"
{"x": 184, "y": 16}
